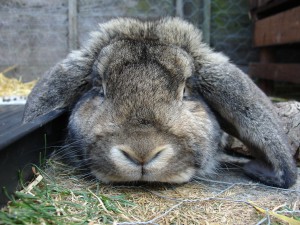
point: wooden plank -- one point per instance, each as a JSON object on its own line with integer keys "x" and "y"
{"x": 206, "y": 22}
{"x": 276, "y": 71}
{"x": 282, "y": 28}
{"x": 179, "y": 8}
{"x": 263, "y": 8}
{"x": 10, "y": 117}
{"x": 27, "y": 144}
{"x": 73, "y": 34}
{"x": 266, "y": 55}
{"x": 253, "y": 4}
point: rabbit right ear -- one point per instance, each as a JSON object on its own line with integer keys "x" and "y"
{"x": 62, "y": 85}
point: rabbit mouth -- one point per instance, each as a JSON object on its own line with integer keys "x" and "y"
{"x": 141, "y": 175}
{"x": 156, "y": 165}
{"x": 180, "y": 177}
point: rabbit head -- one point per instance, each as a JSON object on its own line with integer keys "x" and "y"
{"x": 138, "y": 126}
{"x": 135, "y": 123}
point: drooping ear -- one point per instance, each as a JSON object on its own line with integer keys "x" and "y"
{"x": 245, "y": 108}
{"x": 242, "y": 107}
{"x": 61, "y": 85}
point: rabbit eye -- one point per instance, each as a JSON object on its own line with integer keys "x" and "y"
{"x": 185, "y": 92}
{"x": 144, "y": 122}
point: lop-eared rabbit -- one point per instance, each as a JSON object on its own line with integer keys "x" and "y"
{"x": 149, "y": 102}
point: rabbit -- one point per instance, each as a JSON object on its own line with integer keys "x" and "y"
{"x": 150, "y": 102}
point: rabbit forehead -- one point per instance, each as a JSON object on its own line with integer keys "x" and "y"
{"x": 170, "y": 31}
{"x": 123, "y": 52}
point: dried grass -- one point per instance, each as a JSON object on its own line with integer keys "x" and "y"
{"x": 225, "y": 201}
{"x": 12, "y": 86}
{"x": 59, "y": 195}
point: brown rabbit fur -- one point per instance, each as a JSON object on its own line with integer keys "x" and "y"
{"x": 136, "y": 124}
{"x": 131, "y": 142}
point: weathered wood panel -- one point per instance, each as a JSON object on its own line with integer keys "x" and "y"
{"x": 276, "y": 71}
{"x": 93, "y": 12}
{"x": 72, "y": 16}
{"x": 33, "y": 34}
{"x": 263, "y": 8}
{"x": 282, "y": 28}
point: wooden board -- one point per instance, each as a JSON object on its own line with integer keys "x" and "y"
{"x": 282, "y": 28}
{"x": 263, "y": 8}
{"x": 10, "y": 117}
{"x": 275, "y": 71}
{"x": 23, "y": 145}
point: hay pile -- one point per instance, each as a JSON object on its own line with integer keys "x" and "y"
{"x": 12, "y": 88}
{"x": 225, "y": 200}
{"x": 229, "y": 199}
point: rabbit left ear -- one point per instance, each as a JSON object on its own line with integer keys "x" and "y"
{"x": 61, "y": 86}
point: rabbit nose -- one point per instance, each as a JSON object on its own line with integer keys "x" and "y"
{"x": 132, "y": 157}
{"x": 141, "y": 159}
